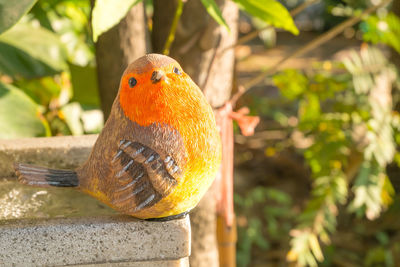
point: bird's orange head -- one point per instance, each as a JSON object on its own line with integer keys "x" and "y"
{"x": 154, "y": 88}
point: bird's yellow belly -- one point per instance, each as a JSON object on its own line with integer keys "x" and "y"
{"x": 184, "y": 197}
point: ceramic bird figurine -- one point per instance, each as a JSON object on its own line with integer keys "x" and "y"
{"x": 159, "y": 150}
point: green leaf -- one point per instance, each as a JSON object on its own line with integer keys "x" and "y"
{"x": 84, "y": 84}
{"x": 291, "y": 83}
{"x": 12, "y": 11}
{"x": 41, "y": 90}
{"x": 368, "y": 188}
{"x": 315, "y": 247}
{"x": 19, "y": 115}
{"x": 69, "y": 19}
{"x": 108, "y": 13}
{"x": 382, "y": 30}
{"x": 31, "y": 52}
{"x": 309, "y": 109}
{"x": 271, "y": 12}
{"x": 214, "y": 11}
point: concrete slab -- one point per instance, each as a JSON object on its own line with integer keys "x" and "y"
{"x": 108, "y": 240}
{"x": 168, "y": 263}
{"x": 101, "y": 240}
{"x": 21, "y": 201}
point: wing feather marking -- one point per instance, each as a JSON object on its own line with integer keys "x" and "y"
{"x": 144, "y": 175}
{"x": 145, "y": 202}
{"x": 125, "y": 168}
{"x": 130, "y": 184}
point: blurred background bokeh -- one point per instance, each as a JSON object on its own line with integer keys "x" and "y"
{"x": 318, "y": 182}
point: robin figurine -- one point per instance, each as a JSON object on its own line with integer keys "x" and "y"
{"x": 158, "y": 152}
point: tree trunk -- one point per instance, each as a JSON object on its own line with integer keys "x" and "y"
{"x": 115, "y": 49}
{"x": 395, "y": 54}
{"x": 198, "y": 42}
{"x": 393, "y": 169}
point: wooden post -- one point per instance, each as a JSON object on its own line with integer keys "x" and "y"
{"x": 227, "y": 238}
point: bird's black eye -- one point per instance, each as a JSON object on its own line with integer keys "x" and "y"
{"x": 177, "y": 71}
{"x": 132, "y": 82}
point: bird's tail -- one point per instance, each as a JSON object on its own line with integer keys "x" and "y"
{"x": 45, "y": 177}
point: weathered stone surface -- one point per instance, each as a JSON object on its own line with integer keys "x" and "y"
{"x": 168, "y": 263}
{"x": 80, "y": 241}
{"x": 65, "y": 152}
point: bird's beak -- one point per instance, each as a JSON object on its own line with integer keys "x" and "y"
{"x": 157, "y": 76}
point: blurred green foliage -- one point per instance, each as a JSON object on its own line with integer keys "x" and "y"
{"x": 24, "y": 119}
{"x": 12, "y": 11}
{"x": 44, "y": 56}
{"x": 271, "y": 12}
{"x": 269, "y": 228}
{"x": 347, "y": 127}
{"x": 340, "y": 115}
{"x": 47, "y": 70}
{"x": 382, "y": 29}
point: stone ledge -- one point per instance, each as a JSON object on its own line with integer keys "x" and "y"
{"x": 82, "y": 241}
{"x": 167, "y": 263}
{"x": 66, "y": 152}
{"x": 108, "y": 240}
